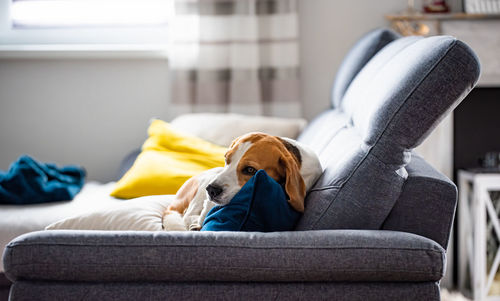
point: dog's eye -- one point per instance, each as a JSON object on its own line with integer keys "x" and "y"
{"x": 249, "y": 170}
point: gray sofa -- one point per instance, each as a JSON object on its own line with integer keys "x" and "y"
{"x": 376, "y": 224}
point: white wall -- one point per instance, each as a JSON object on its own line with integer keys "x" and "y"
{"x": 328, "y": 30}
{"x": 88, "y": 112}
{"x": 93, "y": 111}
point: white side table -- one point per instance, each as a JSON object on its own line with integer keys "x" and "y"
{"x": 475, "y": 205}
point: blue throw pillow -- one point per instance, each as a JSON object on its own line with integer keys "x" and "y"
{"x": 261, "y": 205}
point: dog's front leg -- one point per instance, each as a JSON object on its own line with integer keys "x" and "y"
{"x": 194, "y": 222}
{"x": 207, "y": 206}
{"x": 192, "y": 215}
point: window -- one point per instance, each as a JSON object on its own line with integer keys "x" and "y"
{"x": 84, "y": 21}
{"x": 81, "y": 13}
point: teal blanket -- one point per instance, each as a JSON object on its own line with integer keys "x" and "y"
{"x": 30, "y": 182}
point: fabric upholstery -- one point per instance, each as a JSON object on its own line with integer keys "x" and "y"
{"x": 390, "y": 107}
{"x": 321, "y": 130}
{"x": 400, "y": 102}
{"x": 356, "y": 58}
{"x": 260, "y": 205}
{"x": 4, "y": 287}
{"x": 328, "y": 255}
{"x": 426, "y": 205}
{"x": 339, "y": 291}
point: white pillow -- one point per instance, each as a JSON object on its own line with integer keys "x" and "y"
{"x": 140, "y": 214}
{"x": 223, "y": 128}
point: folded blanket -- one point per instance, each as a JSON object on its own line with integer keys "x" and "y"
{"x": 30, "y": 182}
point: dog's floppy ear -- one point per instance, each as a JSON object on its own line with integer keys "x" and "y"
{"x": 294, "y": 185}
{"x": 230, "y": 151}
{"x": 234, "y": 142}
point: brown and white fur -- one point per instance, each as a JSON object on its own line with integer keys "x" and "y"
{"x": 285, "y": 160}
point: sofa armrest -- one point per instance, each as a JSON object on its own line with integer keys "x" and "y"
{"x": 323, "y": 255}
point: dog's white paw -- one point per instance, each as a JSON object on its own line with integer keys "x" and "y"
{"x": 172, "y": 221}
{"x": 195, "y": 227}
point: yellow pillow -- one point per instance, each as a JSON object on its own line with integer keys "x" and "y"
{"x": 168, "y": 158}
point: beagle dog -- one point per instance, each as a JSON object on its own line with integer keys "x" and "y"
{"x": 290, "y": 163}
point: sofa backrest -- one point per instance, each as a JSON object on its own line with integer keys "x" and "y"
{"x": 365, "y": 144}
{"x": 364, "y": 49}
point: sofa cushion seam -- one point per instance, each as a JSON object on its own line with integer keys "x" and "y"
{"x": 227, "y": 246}
{"x": 234, "y": 267}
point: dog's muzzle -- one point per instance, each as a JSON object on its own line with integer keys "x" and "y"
{"x": 214, "y": 191}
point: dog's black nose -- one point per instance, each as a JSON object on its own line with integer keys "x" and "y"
{"x": 213, "y": 191}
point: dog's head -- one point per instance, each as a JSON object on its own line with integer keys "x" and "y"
{"x": 279, "y": 157}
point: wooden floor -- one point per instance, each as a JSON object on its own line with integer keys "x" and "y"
{"x": 452, "y": 296}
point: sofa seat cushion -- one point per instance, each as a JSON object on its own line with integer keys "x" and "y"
{"x": 17, "y": 220}
{"x": 324, "y": 255}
